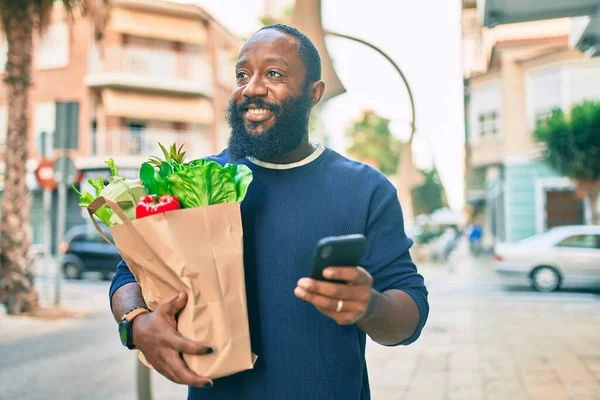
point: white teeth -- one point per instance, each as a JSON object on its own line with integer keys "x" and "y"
{"x": 257, "y": 111}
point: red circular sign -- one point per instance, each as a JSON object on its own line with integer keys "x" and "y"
{"x": 44, "y": 174}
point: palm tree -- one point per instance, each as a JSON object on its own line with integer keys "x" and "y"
{"x": 20, "y": 20}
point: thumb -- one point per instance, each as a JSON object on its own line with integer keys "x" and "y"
{"x": 176, "y": 304}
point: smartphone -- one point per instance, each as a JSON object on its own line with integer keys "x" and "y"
{"x": 337, "y": 251}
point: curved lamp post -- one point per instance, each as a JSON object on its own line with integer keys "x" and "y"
{"x": 396, "y": 67}
{"x": 407, "y": 176}
{"x": 307, "y": 17}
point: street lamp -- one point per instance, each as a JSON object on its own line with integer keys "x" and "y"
{"x": 407, "y": 176}
{"x": 306, "y": 16}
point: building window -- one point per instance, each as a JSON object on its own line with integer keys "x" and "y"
{"x": 3, "y": 51}
{"x": 3, "y": 124}
{"x": 488, "y": 124}
{"x": 226, "y": 68}
{"x": 53, "y": 48}
{"x": 94, "y": 137}
{"x": 44, "y": 126}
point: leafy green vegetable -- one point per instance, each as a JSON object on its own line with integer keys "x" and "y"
{"x": 190, "y": 187}
{"x": 198, "y": 183}
{"x": 97, "y": 184}
{"x": 113, "y": 168}
{"x": 86, "y": 198}
{"x": 207, "y": 182}
{"x": 221, "y": 184}
{"x": 242, "y": 176}
{"x": 125, "y": 192}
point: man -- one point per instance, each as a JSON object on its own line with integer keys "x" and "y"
{"x": 309, "y": 335}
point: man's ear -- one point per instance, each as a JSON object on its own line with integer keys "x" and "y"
{"x": 318, "y": 88}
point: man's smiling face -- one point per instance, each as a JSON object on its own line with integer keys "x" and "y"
{"x": 271, "y": 103}
{"x": 269, "y": 71}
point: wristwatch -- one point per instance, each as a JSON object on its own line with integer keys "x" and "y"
{"x": 126, "y": 326}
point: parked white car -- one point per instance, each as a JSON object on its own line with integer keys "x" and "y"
{"x": 562, "y": 257}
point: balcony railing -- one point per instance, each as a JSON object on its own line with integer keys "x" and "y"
{"x": 144, "y": 143}
{"x": 151, "y": 69}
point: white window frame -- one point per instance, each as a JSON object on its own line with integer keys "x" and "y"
{"x": 488, "y": 128}
{"x": 3, "y": 123}
{"x": 52, "y": 51}
{"x": 45, "y": 121}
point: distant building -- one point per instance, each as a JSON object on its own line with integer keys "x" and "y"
{"x": 163, "y": 72}
{"x": 514, "y": 75}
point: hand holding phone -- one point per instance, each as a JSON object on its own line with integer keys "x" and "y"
{"x": 337, "y": 251}
{"x": 345, "y": 298}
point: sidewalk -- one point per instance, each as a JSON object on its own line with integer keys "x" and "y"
{"x": 505, "y": 346}
{"x": 86, "y": 298}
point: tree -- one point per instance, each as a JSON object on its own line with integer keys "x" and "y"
{"x": 431, "y": 195}
{"x": 373, "y": 143}
{"x": 20, "y": 20}
{"x": 572, "y": 147}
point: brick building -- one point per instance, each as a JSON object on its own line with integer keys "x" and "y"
{"x": 162, "y": 73}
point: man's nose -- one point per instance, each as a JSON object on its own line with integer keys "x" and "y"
{"x": 255, "y": 88}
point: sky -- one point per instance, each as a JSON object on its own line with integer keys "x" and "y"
{"x": 423, "y": 37}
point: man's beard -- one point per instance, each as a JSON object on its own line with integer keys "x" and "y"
{"x": 289, "y": 128}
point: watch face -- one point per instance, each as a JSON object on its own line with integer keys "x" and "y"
{"x": 124, "y": 332}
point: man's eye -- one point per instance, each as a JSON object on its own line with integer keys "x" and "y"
{"x": 273, "y": 74}
{"x": 241, "y": 75}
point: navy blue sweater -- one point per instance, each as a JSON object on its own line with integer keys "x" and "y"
{"x": 303, "y": 354}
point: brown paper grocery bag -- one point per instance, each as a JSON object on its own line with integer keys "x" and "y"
{"x": 198, "y": 251}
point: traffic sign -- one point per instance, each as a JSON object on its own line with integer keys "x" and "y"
{"x": 44, "y": 174}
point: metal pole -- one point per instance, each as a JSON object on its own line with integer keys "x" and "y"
{"x": 48, "y": 239}
{"x": 405, "y": 184}
{"x": 60, "y": 229}
{"x": 144, "y": 381}
{"x": 397, "y": 68}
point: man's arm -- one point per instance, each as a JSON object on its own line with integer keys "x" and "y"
{"x": 386, "y": 297}
{"x": 126, "y": 298}
{"x": 391, "y": 317}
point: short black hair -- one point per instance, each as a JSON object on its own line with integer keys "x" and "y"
{"x": 308, "y": 52}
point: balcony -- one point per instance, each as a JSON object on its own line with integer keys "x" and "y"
{"x": 133, "y": 145}
{"x": 148, "y": 69}
{"x": 496, "y": 12}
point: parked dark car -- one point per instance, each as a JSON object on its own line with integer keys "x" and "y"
{"x": 84, "y": 250}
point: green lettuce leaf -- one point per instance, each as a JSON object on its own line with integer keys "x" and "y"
{"x": 242, "y": 175}
{"x": 190, "y": 187}
{"x": 221, "y": 183}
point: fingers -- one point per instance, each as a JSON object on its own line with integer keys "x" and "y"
{"x": 176, "y": 304}
{"x": 330, "y": 304}
{"x": 187, "y": 346}
{"x": 353, "y": 275}
{"x": 342, "y": 318}
{"x": 337, "y": 291}
{"x": 177, "y": 371}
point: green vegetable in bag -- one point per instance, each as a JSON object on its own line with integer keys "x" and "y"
{"x": 125, "y": 192}
{"x": 197, "y": 183}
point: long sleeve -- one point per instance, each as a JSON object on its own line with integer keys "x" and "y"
{"x": 122, "y": 277}
{"x": 388, "y": 260}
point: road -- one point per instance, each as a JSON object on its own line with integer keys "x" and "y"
{"x": 482, "y": 341}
